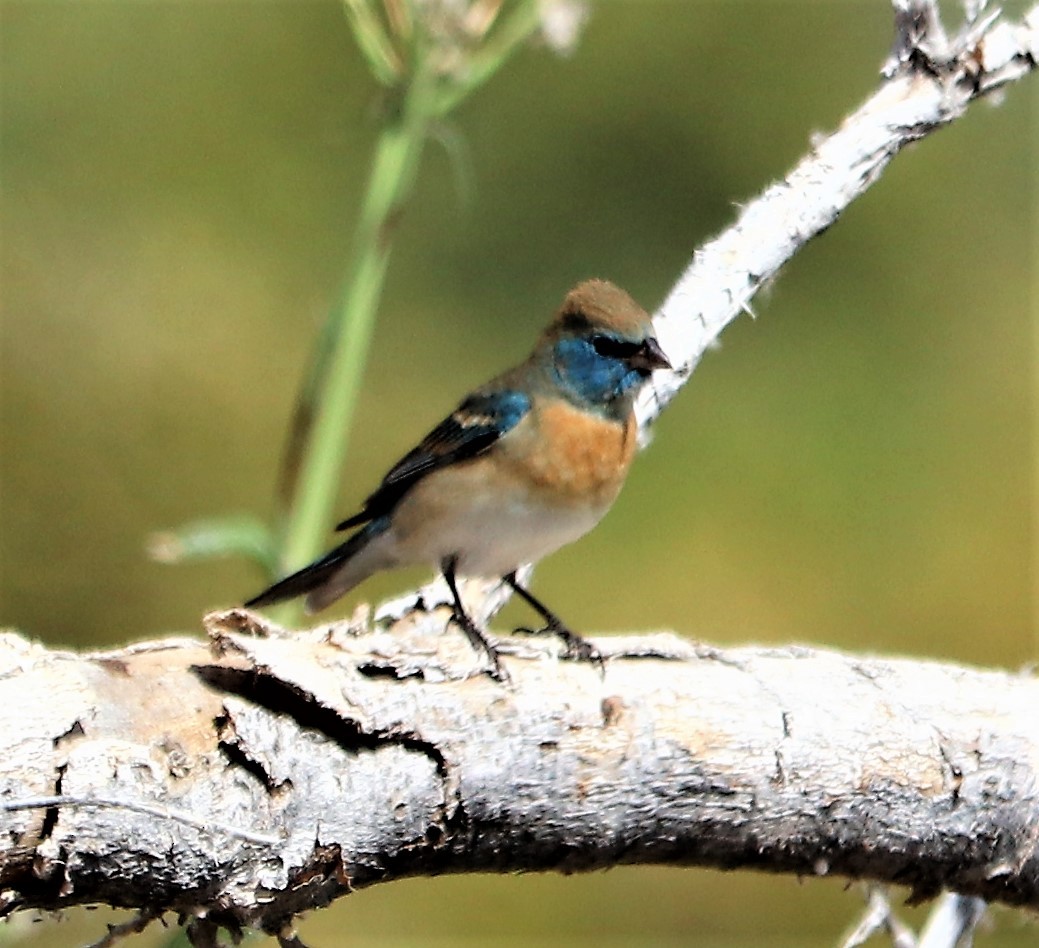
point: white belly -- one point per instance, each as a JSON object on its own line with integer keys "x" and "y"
{"x": 490, "y": 532}
{"x": 505, "y": 538}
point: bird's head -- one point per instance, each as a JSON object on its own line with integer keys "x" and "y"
{"x": 601, "y": 345}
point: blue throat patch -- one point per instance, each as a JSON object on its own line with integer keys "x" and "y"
{"x": 594, "y": 379}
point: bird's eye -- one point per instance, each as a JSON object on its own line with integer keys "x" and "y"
{"x": 612, "y": 348}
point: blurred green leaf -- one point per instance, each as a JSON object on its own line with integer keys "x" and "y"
{"x": 218, "y": 537}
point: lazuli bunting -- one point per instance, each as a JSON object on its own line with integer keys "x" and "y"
{"x": 524, "y": 465}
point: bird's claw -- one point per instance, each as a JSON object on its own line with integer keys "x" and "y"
{"x": 581, "y": 650}
{"x": 577, "y": 648}
{"x": 481, "y": 643}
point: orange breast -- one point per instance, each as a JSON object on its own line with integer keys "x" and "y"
{"x": 574, "y": 456}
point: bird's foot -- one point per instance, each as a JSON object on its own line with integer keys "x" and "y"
{"x": 578, "y": 648}
{"x": 481, "y": 643}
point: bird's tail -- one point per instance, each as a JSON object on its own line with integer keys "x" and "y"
{"x": 330, "y": 577}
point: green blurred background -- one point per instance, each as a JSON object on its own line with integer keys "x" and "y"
{"x": 853, "y": 469}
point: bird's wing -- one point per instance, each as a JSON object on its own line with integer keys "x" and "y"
{"x": 468, "y": 431}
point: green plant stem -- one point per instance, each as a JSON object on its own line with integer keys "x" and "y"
{"x": 395, "y": 164}
{"x": 334, "y": 385}
{"x": 373, "y": 41}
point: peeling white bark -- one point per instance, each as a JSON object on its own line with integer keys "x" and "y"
{"x": 275, "y": 771}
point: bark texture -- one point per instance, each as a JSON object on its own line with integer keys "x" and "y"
{"x": 265, "y": 773}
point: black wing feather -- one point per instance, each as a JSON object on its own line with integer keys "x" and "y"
{"x": 468, "y": 431}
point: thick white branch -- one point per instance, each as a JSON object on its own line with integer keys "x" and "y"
{"x": 275, "y": 771}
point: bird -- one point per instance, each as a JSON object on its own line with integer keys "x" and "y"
{"x": 527, "y": 463}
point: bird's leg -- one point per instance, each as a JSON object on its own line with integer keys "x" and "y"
{"x": 576, "y": 646}
{"x": 477, "y": 639}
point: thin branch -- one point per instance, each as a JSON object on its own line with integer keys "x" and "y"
{"x": 953, "y": 921}
{"x": 116, "y": 933}
{"x": 931, "y": 82}
{"x": 879, "y": 918}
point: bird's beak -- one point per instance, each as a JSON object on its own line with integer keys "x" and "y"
{"x": 649, "y": 357}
